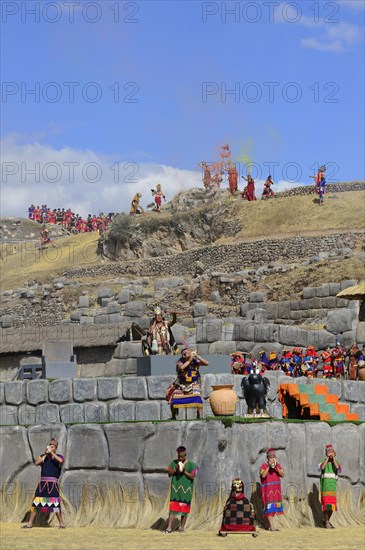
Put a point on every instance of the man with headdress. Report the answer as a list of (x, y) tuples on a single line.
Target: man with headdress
[(160, 339), (326, 356), (310, 362), (158, 196), (297, 361), (207, 176), (47, 495), (338, 360), (238, 513), (237, 362), (263, 361), (182, 472), (186, 390), (135, 206), (270, 477), (285, 362), (330, 469)]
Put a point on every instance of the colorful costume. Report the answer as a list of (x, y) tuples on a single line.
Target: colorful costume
[(47, 495), (338, 361), (271, 491), (328, 486), (181, 491), (158, 196), (249, 191), (285, 362), (327, 363), (237, 363), (238, 513), (135, 208), (207, 176), (273, 361), (187, 390), (268, 192), (232, 178), (318, 177), (160, 338)]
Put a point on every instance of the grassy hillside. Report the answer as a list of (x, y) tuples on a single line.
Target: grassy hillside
[(284, 217)]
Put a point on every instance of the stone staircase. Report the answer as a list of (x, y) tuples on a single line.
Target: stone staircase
[(312, 402)]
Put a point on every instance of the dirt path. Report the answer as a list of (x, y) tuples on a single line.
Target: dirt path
[(95, 538)]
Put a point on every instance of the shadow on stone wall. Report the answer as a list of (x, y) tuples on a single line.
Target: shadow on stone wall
[(124, 507)]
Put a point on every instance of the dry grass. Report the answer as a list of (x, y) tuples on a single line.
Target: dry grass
[(301, 215), (287, 216), (113, 519), (117, 507), (31, 263), (291, 283), (96, 538)]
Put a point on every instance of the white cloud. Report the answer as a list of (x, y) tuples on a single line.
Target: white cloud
[(314, 44), (334, 37), (30, 171), (23, 187)]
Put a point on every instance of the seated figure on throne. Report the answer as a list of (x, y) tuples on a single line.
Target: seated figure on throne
[(160, 340)]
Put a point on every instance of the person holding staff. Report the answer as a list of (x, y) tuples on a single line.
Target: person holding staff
[(186, 390)]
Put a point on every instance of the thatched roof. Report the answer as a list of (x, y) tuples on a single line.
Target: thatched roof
[(356, 292)]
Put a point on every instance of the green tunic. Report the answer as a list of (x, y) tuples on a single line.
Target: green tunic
[(181, 491)]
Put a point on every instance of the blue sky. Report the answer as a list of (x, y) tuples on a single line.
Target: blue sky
[(171, 62)]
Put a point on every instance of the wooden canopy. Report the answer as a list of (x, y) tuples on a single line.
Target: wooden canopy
[(356, 292)]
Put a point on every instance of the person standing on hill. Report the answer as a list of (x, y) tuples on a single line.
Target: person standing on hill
[(232, 177), (249, 191)]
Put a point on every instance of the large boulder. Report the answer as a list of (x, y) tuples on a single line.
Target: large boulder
[(339, 321), (37, 391), (14, 451), (126, 445), (14, 392), (135, 309), (86, 448)]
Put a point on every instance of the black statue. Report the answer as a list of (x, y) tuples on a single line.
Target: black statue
[(255, 388)]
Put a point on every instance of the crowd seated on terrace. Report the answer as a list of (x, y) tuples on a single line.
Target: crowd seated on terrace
[(335, 363), (68, 220)]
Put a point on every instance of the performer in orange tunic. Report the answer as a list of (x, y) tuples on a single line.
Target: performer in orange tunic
[(232, 177), (318, 177)]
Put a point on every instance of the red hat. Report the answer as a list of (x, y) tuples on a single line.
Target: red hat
[(329, 446)]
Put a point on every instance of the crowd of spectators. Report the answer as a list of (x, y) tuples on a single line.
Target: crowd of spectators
[(68, 220), (335, 363)]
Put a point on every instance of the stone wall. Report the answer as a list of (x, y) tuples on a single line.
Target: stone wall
[(330, 188), (226, 257), (134, 457), (116, 399)]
